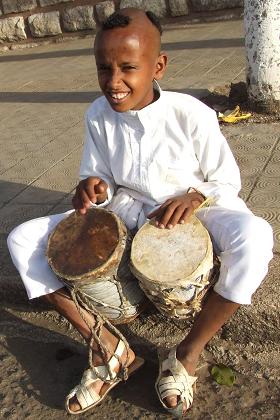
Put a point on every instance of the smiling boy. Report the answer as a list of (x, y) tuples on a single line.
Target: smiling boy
[(150, 153), (127, 63)]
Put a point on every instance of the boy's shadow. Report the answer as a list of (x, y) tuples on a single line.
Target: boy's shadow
[(139, 390), (51, 362), (52, 365)]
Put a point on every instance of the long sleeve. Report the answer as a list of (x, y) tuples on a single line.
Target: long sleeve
[(95, 157), (221, 173)]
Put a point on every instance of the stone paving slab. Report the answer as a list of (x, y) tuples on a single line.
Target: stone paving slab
[(256, 149)]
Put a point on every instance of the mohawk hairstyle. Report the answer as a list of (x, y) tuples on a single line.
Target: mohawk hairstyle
[(118, 20)]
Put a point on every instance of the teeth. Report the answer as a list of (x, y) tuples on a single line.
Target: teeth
[(119, 95)]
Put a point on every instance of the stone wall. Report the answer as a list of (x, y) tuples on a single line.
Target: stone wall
[(25, 21)]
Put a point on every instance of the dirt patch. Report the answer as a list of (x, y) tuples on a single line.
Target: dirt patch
[(40, 364), (227, 97)]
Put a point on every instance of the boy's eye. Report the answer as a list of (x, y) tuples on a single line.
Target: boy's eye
[(102, 67), (128, 67)]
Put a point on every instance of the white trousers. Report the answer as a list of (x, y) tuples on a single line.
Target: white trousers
[(243, 242)]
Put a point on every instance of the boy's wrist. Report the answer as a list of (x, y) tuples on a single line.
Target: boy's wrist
[(197, 194)]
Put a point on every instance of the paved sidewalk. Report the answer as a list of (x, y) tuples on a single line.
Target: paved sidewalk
[(44, 94)]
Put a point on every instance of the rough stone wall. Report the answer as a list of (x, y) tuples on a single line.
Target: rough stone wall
[(25, 21)]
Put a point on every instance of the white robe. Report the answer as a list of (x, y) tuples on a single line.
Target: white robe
[(146, 157)]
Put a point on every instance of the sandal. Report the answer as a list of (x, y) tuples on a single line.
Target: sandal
[(179, 383), (86, 396)]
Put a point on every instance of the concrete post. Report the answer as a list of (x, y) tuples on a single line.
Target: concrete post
[(262, 41)]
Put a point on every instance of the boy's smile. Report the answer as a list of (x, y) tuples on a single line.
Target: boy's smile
[(128, 60)]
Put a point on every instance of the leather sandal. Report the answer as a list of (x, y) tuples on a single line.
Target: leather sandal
[(86, 396), (179, 383)]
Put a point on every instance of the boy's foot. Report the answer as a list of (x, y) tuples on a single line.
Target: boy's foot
[(98, 384), (190, 366), (188, 363)]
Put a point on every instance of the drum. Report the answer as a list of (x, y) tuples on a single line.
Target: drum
[(174, 267), (90, 253)]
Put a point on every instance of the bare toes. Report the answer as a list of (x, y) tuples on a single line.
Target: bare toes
[(171, 401), (74, 405)]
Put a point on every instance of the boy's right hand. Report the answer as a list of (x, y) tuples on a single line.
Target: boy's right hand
[(91, 190)]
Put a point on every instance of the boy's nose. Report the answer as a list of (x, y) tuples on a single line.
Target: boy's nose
[(115, 79)]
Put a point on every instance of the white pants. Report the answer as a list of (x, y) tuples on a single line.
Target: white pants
[(243, 241)]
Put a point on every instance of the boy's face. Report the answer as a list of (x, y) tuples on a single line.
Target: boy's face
[(127, 63)]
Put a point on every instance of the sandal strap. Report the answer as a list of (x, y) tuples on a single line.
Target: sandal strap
[(84, 393), (115, 359), (170, 386), (179, 383), (86, 396), (103, 372)]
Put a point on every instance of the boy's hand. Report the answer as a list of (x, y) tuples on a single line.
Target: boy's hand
[(89, 190), (176, 210)]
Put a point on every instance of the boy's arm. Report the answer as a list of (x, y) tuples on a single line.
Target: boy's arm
[(97, 183), (95, 158), (221, 173)]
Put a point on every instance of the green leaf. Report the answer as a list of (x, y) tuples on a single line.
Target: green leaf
[(223, 375)]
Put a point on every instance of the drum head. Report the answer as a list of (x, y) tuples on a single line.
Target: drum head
[(82, 243), (171, 256)]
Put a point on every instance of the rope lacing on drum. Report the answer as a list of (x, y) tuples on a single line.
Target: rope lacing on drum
[(122, 308), (96, 331)]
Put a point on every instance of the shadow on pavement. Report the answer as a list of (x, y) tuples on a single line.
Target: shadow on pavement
[(49, 364), (44, 373), (207, 43), (204, 44), (48, 97), (73, 97), (140, 390), (19, 203)]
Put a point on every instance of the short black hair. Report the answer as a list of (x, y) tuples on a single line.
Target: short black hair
[(118, 20)]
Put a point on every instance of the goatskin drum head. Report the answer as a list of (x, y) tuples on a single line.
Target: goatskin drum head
[(171, 256), (82, 243)]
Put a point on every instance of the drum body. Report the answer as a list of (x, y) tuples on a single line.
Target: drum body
[(174, 267), (90, 253)]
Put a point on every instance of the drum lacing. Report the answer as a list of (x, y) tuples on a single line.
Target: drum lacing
[(122, 308), (96, 331)]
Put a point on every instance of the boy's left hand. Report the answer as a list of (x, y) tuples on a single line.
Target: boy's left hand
[(176, 210)]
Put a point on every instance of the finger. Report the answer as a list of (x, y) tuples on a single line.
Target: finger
[(88, 187), (159, 210), (157, 215), (86, 200), (186, 215), (176, 216), (78, 205), (167, 214), (76, 200), (154, 213), (101, 187)]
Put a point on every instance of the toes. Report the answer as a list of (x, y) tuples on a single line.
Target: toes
[(74, 405), (171, 401)]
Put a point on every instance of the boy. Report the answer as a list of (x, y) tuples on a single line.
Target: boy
[(147, 154)]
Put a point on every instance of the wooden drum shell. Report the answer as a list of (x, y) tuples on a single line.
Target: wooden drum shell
[(168, 274), (110, 286)]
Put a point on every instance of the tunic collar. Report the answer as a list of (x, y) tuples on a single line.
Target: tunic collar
[(145, 115)]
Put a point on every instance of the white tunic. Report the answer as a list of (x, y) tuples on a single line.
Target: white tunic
[(159, 152), (146, 157)]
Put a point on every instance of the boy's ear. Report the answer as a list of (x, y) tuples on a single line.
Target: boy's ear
[(160, 66)]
